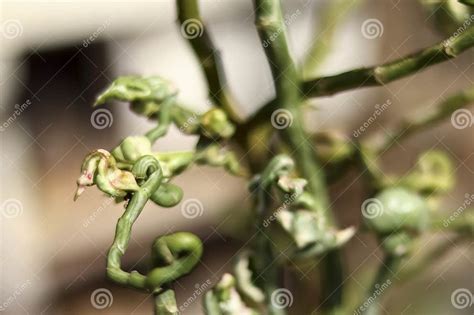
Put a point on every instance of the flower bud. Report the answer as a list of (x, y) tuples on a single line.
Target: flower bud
[(216, 124), (397, 209), (132, 148)]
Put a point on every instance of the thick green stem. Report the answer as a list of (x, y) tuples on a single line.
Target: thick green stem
[(269, 21), (193, 28)]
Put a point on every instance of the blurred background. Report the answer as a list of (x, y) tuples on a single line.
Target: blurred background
[(56, 56)]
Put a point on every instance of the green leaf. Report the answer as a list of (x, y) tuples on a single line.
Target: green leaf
[(145, 92)]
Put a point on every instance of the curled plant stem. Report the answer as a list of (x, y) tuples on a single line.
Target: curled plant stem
[(208, 55)]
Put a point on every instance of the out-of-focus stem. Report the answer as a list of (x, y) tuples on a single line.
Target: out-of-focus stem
[(208, 55)]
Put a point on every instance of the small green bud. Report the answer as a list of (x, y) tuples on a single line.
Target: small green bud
[(132, 148), (138, 89), (396, 209), (216, 124), (433, 174)]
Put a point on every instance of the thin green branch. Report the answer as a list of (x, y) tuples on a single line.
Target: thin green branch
[(335, 12), (374, 76), (193, 28), (426, 119), (269, 21), (386, 73)]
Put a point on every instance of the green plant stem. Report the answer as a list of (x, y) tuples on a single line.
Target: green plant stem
[(165, 303), (209, 57), (379, 286), (386, 73), (335, 12), (426, 119), (269, 21), (123, 233), (374, 76)]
